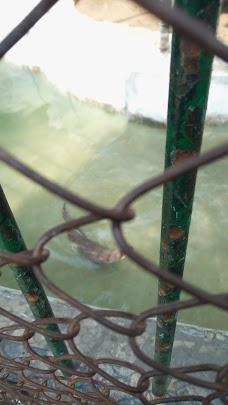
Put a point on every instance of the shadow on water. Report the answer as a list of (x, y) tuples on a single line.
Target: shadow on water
[(102, 156)]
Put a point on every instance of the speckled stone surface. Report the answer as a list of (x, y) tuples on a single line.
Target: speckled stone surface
[(193, 345)]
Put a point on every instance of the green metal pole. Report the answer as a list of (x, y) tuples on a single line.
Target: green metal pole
[(12, 241), (188, 94)]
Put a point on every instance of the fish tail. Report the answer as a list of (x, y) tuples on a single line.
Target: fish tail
[(66, 215), (67, 218)]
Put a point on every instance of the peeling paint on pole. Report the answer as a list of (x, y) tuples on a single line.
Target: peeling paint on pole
[(12, 241), (188, 94)]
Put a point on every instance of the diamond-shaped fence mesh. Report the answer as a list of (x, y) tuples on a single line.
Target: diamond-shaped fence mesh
[(37, 376)]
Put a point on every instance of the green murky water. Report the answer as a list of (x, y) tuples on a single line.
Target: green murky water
[(101, 156)]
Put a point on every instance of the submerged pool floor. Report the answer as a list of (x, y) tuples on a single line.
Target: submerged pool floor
[(102, 156)]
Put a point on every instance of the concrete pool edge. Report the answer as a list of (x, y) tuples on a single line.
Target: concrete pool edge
[(90, 73), (13, 295)]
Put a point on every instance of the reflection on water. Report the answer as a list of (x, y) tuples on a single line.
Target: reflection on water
[(101, 156)]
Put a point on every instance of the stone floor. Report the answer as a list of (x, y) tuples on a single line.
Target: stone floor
[(193, 345)]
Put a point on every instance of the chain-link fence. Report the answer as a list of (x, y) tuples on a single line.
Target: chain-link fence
[(73, 377)]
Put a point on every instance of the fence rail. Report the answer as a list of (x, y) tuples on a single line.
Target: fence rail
[(40, 378)]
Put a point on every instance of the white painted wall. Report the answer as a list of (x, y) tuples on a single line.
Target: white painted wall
[(106, 62)]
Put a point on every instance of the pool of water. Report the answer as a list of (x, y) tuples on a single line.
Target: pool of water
[(102, 156)]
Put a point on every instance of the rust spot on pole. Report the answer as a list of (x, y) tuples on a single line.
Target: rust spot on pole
[(165, 246), (190, 48), (181, 155), (169, 318), (176, 233), (32, 298), (170, 285), (162, 292), (168, 346)]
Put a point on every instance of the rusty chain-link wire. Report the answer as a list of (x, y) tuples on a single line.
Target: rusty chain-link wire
[(54, 384)]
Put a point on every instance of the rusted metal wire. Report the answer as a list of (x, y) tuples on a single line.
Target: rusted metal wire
[(39, 378), (25, 25)]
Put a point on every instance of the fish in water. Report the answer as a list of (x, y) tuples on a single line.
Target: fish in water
[(95, 252)]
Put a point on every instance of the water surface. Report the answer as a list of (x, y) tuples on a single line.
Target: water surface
[(102, 156)]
